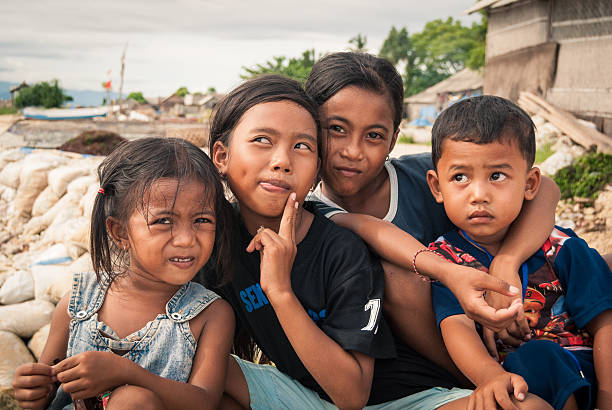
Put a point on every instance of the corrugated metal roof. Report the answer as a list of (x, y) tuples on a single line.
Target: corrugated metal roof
[(483, 4), (464, 80)]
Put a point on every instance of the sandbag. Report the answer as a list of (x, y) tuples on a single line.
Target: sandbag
[(17, 288), (44, 201), (64, 226), (9, 175), (46, 275), (24, 319), (31, 185), (13, 353), (38, 341), (70, 200), (60, 177), (81, 184), (63, 283), (11, 155), (87, 201)]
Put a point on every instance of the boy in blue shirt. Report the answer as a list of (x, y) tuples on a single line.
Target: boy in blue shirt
[(483, 149)]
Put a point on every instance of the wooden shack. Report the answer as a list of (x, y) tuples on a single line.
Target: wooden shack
[(560, 49)]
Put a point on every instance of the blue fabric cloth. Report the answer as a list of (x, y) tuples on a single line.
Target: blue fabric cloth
[(165, 346), (578, 289), (552, 374)]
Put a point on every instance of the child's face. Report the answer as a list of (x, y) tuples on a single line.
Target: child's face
[(174, 237), (483, 186), (358, 136), (272, 152)]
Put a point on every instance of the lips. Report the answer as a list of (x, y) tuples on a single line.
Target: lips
[(275, 186), (480, 217), (182, 261), (348, 171)]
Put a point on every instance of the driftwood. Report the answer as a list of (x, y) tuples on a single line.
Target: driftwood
[(566, 122)]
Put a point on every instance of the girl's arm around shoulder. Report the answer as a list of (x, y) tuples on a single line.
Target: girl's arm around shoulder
[(34, 382), (601, 329)]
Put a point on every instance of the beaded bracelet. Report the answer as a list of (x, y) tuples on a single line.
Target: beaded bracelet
[(414, 267)]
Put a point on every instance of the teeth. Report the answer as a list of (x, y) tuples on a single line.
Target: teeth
[(180, 259)]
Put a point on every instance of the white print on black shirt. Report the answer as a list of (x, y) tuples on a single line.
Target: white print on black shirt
[(374, 306)]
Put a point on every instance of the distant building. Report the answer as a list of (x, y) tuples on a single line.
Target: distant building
[(561, 49), (422, 108)]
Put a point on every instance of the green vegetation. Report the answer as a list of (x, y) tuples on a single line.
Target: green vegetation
[(359, 43), (586, 177), (543, 152), (405, 139), (297, 68), (42, 94), (138, 97), (441, 49), (182, 91), (7, 110)]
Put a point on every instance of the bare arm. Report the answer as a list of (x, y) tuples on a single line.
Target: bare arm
[(345, 376), (90, 373), (601, 329), (34, 382), (494, 384)]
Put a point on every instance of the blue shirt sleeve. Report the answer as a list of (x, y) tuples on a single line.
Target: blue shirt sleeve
[(586, 278), (444, 302)]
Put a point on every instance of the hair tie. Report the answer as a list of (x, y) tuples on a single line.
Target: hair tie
[(101, 191)]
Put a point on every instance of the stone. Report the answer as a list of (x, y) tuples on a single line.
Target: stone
[(24, 319), (555, 162), (38, 341), (13, 353)]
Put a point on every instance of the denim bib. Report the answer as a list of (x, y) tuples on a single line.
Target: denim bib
[(165, 346)]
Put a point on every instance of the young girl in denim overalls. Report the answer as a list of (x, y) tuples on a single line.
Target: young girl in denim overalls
[(138, 332)]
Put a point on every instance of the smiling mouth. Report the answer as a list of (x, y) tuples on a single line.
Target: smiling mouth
[(182, 261), (275, 186)]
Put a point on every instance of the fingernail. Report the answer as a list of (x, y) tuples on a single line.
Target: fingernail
[(293, 196), (528, 337), (520, 396), (513, 289)]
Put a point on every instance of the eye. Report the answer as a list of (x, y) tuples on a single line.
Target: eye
[(375, 135), (498, 176), (302, 146), (162, 221), (337, 129), (263, 140), (204, 220), (460, 178)]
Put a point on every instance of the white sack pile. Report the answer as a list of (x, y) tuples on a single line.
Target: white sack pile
[(46, 197)]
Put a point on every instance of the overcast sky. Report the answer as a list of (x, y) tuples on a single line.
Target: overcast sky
[(195, 43)]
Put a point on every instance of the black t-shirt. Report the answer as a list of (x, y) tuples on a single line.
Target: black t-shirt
[(339, 284)]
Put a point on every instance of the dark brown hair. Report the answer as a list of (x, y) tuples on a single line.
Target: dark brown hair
[(263, 89), (338, 70), (126, 176), (482, 120)]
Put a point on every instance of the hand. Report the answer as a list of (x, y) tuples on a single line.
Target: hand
[(33, 385), (469, 291), (88, 374), (496, 391), (517, 331), (277, 251)]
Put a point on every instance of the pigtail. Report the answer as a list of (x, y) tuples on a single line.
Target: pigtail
[(99, 238)]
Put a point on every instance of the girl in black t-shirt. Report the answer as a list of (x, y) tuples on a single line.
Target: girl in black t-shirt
[(304, 288)]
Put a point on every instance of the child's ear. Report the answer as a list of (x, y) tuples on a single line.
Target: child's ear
[(532, 185), (117, 232), (220, 157), (434, 185)]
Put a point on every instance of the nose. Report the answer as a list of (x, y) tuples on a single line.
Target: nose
[(351, 149), (479, 192), (281, 160), (183, 235)]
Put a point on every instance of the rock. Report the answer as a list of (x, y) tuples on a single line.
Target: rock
[(555, 162), (13, 354), (17, 288), (38, 341), (24, 319), (7, 401), (546, 133)]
